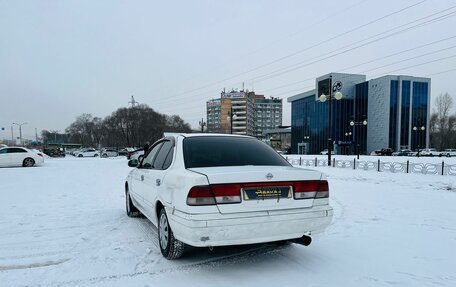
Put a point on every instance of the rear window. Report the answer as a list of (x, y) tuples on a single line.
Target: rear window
[(229, 151)]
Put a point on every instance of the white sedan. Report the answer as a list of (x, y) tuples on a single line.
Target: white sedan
[(209, 190), (107, 152), (88, 152), (19, 156)]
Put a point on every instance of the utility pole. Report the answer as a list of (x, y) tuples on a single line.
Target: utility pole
[(12, 136), (202, 124), (20, 130), (36, 135)]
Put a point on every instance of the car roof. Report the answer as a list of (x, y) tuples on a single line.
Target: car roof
[(188, 135), (195, 135)]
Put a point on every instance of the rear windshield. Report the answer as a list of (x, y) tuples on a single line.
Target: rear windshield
[(229, 151)]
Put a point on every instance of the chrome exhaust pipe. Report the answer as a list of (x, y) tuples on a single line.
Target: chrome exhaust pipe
[(304, 240)]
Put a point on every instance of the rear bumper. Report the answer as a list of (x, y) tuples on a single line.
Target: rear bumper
[(202, 230)]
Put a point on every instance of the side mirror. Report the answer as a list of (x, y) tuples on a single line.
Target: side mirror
[(133, 163)]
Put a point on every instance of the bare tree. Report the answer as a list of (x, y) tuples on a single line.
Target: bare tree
[(125, 127), (440, 121)]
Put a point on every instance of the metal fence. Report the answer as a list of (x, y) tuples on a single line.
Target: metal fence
[(379, 166)]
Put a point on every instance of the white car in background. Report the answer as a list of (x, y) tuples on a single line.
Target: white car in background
[(87, 152), (209, 190), (136, 154), (448, 152), (429, 152), (107, 152), (19, 156)]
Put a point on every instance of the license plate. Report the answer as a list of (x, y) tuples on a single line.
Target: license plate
[(266, 192)]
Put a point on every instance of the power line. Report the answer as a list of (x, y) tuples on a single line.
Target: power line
[(305, 49), (338, 51), (401, 31), (412, 58), (442, 72), (198, 105), (331, 53), (417, 65), (368, 62), (279, 40)]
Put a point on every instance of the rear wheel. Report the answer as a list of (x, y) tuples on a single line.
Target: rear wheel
[(80, 155), (170, 247), (105, 155), (28, 162)]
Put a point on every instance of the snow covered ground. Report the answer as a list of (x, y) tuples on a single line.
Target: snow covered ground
[(63, 224)]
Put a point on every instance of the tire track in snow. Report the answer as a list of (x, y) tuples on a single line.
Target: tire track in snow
[(218, 260)]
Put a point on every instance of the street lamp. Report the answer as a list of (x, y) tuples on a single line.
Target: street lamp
[(202, 124), (307, 144), (20, 130), (334, 92), (418, 129), (348, 134), (230, 118), (354, 123)]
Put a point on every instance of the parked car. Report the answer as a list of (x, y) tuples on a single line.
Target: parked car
[(448, 152), (125, 151), (325, 151), (87, 152), (109, 152), (429, 152), (135, 154), (19, 156), (54, 152), (209, 190), (402, 152), (383, 152)]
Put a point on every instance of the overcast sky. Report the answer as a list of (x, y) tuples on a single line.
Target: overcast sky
[(59, 59)]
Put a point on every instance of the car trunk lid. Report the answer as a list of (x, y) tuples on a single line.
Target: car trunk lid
[(261, 188)]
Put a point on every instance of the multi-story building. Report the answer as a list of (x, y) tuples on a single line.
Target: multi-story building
[(213, 110), (268, 115), (243, 113), (387, 112)]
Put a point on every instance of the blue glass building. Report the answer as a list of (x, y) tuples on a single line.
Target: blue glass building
[(391, 105)]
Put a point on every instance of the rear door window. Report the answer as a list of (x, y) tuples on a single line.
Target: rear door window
[(149, 159), (162, 154)]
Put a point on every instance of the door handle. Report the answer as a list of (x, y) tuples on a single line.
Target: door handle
[(158, 182), (142, 177)]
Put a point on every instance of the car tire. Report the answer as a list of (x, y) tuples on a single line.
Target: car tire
[(28, 162), (170, 247), (105, 155), (95, 155), (131, 209), (80, 155)]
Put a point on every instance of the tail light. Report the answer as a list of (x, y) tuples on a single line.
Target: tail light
[(214, 194), (231, 193), (200, 195), (311, 189)]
